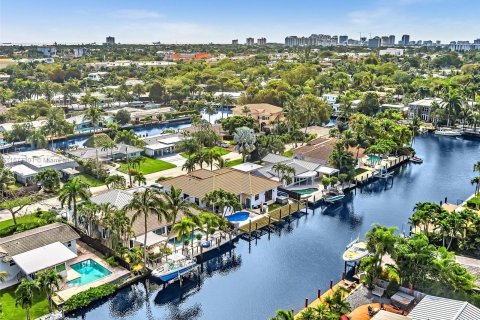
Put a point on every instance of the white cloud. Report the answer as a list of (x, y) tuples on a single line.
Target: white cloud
[(136, 14)]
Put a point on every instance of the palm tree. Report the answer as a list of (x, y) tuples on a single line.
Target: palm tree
[(71, 193), (209, 222), (453, 103), (283, 315), (189, 164), (115, 181), (146, 203), (210, 110), (313, 109), (24, 295), (108, 145), (139, 178), (189, 146), (183, 229), (88, 215), (49, 281), (37, 138), (245, 110), (174, 204)]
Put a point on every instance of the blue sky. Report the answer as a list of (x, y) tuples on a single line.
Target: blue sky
[(204, 21)]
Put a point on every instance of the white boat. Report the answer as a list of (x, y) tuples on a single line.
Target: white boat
[(356, 250), (176, 266), (447, 132)]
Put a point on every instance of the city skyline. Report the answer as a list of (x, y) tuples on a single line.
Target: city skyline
[(220, 22)]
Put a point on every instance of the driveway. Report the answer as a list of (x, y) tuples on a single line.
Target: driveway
[(175, 159)]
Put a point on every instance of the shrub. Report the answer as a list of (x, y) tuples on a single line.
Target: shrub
[(112, 262), (392, 288), (84, 298)]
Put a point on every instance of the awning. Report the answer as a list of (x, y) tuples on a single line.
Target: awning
[(327, 170), (152, 239), (70, 171), (307, 174), (43, 257)]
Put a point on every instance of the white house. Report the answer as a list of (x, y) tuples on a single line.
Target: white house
[(120, 151), (422, 108), (96, 76), (26, 253), (331, 99), (161, 144), (25, 165)]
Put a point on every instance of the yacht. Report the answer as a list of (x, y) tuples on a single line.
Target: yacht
[(355, 251), (447, 132), (176, 266)]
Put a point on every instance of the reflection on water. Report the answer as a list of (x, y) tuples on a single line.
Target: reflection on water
[(280, 268)]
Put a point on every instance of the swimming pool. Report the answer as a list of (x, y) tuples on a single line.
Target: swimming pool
[(374, 159), (239, 216), (306, 191), (89, 271)]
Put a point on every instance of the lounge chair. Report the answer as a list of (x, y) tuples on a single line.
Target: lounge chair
[(378, 291)]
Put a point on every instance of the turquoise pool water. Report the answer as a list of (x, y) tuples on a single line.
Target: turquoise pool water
[(374, 159), (306, 191), (89, 271), (239, 216), (179, 242)]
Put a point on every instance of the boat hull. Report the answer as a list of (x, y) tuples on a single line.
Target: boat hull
[(172, 274), (334, 198)]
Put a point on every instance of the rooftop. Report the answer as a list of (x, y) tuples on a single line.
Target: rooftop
[(259, 108), (198, 183), (91, 153), (35, 238), (117, 198), (427, 102), (40, 158), (431, 307)]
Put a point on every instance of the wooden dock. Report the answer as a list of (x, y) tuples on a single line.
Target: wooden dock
[(275, 216)]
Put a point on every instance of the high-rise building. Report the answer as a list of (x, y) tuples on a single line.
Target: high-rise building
[(363, 39), (374, 42), (235, 41), (250, 41), (261, 41), (385, 40), (476, 41), (110, 41), (405, 40), (334, 40), (391, 39), (343, 39)]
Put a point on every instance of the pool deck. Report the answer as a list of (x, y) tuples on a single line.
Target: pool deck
[(67, 292)]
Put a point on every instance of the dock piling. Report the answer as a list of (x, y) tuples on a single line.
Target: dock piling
[(319, 293), (331, 284), (306, 302)]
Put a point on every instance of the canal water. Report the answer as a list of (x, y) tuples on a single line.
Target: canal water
[(282, 268), (146, 130)]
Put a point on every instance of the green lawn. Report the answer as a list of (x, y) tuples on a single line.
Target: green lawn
[(234, 162), (90, 180), (150, 165), (288, 153), (29, 218), (360, 171), (12, 312), (221, 151)]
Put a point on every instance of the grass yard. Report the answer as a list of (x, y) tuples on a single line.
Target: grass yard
[(360, 171), (12, 312), (148, 166), (234, 162), (288, 153), (90, 180), (29, 218), (221, 151)]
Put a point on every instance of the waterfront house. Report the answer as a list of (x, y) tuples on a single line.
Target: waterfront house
[(119, 199), (137, 114), (252, 190), (317, 150), (423, 108), (119, 152), (331, 99), (263, 113), (80, 123), (26, 253), (403, 109), (305, 172), (162, 144), (25, 165)]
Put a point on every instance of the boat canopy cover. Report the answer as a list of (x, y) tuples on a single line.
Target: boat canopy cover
[(176, 257)]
